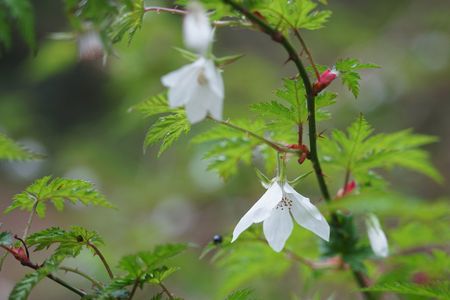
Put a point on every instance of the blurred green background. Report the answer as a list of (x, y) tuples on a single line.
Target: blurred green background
[(77, 114)]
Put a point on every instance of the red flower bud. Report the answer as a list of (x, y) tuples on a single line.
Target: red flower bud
[(20, 254), (324, 80), (349, 187), (420, 278)]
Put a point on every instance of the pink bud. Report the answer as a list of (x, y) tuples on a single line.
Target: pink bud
[(349, 187), (324, 80)]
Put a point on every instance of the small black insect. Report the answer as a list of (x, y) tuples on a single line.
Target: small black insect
[(217, 239)]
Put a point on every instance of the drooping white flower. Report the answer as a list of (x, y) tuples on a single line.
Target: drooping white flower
[(197, 30), (276, 208), (90, 45), (377, 238), (197, 86)]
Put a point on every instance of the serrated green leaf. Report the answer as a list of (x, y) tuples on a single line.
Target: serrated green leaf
[(57, 190), (438, 290), (349, 76), (158, 275), (6, 238), (168, 127), (11, 151), (69, 242), (23, 288), (129, 21), (360, 152)]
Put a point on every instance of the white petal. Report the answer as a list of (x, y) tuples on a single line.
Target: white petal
[(278, 227), (215, 82), (182, 83), (260, 211), (377, 238), (197, 30), (307, 215), (198, 106)]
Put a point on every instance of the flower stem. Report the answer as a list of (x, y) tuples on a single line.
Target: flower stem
[(182, 12), (134, 288), (275, 146), (278, 37), (102, 258), (82, 274)]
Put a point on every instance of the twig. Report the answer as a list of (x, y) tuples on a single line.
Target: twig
[(102, 258), (275, 146), (82, 274), (182, 12), (135, 286), (168, 293)]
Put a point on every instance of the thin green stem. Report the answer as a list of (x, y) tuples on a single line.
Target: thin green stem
[(102, 258), (275, 146), (82, 274)]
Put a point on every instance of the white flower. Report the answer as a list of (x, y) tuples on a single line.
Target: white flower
[(275, 209), (197, 86), (90, 45), (377, 238), (197, 31)]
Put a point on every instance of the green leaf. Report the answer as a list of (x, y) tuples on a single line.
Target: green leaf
[(69, 242), (359, 151), (158, 275), (129, 21), (240, 295), (438, 290), (6, 238), (349, 76), (23, 288), (56, 190), (167, 128), (229, 146), (11, 151), (297, 14), (21, 11)]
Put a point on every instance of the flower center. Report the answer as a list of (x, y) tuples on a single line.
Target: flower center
[(201, 79), (284, 203)]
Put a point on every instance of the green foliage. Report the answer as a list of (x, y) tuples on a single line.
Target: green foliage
[(69, 242), (229, 146), (168, 127), (23, 288), (359, 151), (129, 20), (344, 241), (143, 267), (21, 13), (297, 14), (240, 295), (57, 191), (438, 290), (11, 151), (5, 238), (348, 72), (217, 7)]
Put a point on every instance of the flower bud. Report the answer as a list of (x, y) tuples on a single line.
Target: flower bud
[(90, 45), (324, 80), (197, 30), (20, 254), (347, 189)]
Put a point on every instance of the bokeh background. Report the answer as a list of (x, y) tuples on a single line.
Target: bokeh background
[(76, 112)]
